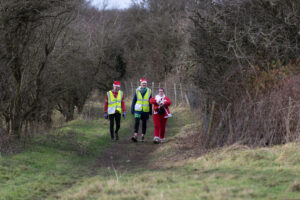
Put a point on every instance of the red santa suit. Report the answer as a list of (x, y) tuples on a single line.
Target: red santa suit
[(160, 120)]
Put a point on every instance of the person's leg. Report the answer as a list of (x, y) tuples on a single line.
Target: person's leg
[(163, 123), (156, 125), (111, 125), (118, 121), (136, 129), (144, 124), (156, 121), (136, 125), (144, 119)]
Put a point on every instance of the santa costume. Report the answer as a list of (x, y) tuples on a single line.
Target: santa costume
[(161, 113)]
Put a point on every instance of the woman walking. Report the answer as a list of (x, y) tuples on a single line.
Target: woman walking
[(161, 113), (114, 106)]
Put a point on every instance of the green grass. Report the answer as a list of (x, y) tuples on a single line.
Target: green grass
[(61, 165), (85, 137), (235, 172), (228, 174), (56, 160)]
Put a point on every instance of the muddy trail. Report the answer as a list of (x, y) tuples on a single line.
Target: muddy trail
[(127, 155)]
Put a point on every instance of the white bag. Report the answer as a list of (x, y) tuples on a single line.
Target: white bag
[(138, 107), (111, 110)]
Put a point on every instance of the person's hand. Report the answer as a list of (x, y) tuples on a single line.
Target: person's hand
[(105, 115), (124, 115)]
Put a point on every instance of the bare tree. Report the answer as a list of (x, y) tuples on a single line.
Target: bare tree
[(29, 30)]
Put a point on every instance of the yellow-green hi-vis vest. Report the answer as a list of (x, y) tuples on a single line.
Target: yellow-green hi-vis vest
[(142, 104), (114, 103)]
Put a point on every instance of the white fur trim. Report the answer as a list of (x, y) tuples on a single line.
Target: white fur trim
[(159, 99), (169, 115)]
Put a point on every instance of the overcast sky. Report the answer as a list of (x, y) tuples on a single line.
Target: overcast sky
[(118, 4)]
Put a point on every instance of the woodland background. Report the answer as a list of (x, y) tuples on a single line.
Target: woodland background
[(237, 62)]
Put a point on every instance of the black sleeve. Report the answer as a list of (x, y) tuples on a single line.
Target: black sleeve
[(150, 105), (133, 103)]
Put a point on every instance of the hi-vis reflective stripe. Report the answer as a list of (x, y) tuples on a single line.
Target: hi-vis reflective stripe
[(143, 99)]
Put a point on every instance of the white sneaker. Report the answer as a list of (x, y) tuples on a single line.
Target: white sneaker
[(162, 140), (156, 140)]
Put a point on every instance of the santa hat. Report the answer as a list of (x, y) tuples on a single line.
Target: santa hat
[(143, 80), (117, 84)]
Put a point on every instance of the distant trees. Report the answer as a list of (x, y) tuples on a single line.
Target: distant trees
[(54, 53), (153, 37), (243, 51), (29, 32), (234, 40)]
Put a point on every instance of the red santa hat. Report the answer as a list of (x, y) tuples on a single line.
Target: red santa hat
[(143, 80), (117, 84)]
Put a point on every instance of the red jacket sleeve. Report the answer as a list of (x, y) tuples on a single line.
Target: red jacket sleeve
[(153, 101), (167, 102), (106, 104), (123, 104)]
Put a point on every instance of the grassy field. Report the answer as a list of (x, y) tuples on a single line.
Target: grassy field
[(235, 172), (56, 160), (64, 164)]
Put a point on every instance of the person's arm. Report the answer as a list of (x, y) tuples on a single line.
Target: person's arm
[(153, 101), (106, 104), (167, 102), (133, 103), (123, 104), (150, 105)]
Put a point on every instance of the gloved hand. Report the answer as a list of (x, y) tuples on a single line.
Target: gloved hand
[(106, 115), (124, 115)]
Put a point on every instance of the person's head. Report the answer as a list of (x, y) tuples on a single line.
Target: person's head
[(116, 86), (161, 92), (143, 82)]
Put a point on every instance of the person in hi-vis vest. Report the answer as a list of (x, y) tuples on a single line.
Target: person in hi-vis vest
[(141, 108), (113, 108)]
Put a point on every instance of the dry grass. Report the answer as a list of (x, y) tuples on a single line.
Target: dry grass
[(266, 120)]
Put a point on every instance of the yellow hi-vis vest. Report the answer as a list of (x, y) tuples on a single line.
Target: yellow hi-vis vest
[(114, 103), (142, 104)]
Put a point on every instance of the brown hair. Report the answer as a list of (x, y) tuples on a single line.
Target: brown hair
[(161, 89)]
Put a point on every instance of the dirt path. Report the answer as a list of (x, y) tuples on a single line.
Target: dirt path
[(125, 155)]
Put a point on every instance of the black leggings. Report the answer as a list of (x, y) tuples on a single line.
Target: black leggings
[(144, 119), (112, 118)]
